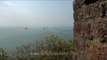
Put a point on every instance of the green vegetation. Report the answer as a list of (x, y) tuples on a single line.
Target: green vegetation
[(52, 47), (2, 54)]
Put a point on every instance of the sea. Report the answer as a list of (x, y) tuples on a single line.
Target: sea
[(13, 37)]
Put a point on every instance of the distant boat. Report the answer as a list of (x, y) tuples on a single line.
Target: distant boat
[(45, 28), (26, 28)]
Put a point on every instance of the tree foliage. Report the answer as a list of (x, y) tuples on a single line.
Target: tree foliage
[(3, 55), (52, 47)]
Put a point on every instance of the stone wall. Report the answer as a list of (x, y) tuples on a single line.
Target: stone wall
[(90, 30)]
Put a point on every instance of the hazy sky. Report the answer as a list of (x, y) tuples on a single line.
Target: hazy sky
[(36, 13)]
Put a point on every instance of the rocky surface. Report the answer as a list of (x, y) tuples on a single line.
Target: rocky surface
[(90, 30)]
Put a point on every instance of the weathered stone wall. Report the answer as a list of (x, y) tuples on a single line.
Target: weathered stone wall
[(90, 30)]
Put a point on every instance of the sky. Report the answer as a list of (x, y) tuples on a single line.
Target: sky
[(36, 13)]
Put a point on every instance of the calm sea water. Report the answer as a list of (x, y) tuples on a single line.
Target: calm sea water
[(12, 37)]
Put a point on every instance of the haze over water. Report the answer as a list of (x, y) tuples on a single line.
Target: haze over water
[(12, 37)]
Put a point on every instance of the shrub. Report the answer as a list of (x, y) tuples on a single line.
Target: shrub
[(3, 55), (52, 47)]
